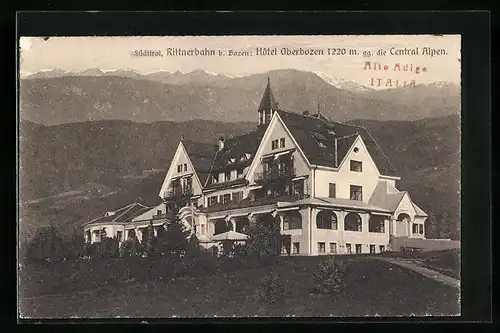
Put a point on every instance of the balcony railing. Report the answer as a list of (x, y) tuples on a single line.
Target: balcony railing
[(178, 192), (275, 174), (247, 202)]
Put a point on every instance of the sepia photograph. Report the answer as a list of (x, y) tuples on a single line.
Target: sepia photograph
[(239, 176)]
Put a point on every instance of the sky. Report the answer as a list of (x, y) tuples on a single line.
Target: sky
[(109, 53)]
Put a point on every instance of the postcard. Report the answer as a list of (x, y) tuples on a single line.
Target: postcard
[(239, 176)]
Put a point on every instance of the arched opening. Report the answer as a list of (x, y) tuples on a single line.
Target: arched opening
[(376, 224), (352, 222), (188, 223), (402, 223), (292, 220), (221, 226), (326, 219), (242, 224)]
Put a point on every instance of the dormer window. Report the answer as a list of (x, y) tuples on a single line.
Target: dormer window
[(321, 144), (332, 132), (232, 160), (215, 178), (247, 155), (239, 173)]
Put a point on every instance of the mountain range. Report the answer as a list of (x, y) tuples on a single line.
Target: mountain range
[(57, 97)]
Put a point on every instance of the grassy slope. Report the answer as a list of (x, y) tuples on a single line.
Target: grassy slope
[(446, 262), (374, 288)]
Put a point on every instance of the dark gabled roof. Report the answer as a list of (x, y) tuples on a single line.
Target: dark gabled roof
[(236, 148), (121, 215), (384, 198), (268, 101), (316, 136), (201, 156)]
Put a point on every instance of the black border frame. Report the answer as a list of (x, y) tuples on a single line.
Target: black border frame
[(474, 26)]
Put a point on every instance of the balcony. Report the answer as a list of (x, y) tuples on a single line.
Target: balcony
[(179, 192), (247, 202), (275, 174)]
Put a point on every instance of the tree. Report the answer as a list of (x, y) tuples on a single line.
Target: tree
[(194, 246), (265, 237), (174, 239), (47, 245), (431, 228), (151, 240), (75, 246)]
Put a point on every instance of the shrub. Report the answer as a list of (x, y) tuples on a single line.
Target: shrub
[(47, 245), (329, 276), (270, 289), (131, 248)]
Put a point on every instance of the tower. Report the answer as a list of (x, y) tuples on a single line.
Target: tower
[(267, 105)]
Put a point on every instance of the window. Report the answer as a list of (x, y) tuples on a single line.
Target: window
[(348, 248), (372, 248), (321, 247), (212, 201), (415, 228), (381, 248), (239, 173), (331, 190), (298, 187), (185, 167), (119, 235), (358, 248), (296, 248), (356, 193), (292, 220), (356, 149), (286, 222), (226, 198), (158, 212), (421, 229), (179, 168), (333, 247), (352, 222), (356, 166), (274, 144), (202, 229), (326, 219), (227, 176), (376, 224), (237, 196), (282, 143)]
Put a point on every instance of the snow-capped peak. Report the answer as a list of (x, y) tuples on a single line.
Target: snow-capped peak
[(341, 83)]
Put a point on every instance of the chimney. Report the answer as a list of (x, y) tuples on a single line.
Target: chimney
[(221, 143)]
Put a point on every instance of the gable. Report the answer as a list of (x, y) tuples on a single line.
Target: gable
[(336, 140), (359, 153), (405, 206), (277, 130), (148, 215), (181, 159)]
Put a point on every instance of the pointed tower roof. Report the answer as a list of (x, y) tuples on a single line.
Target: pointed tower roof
[(268, 102)]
